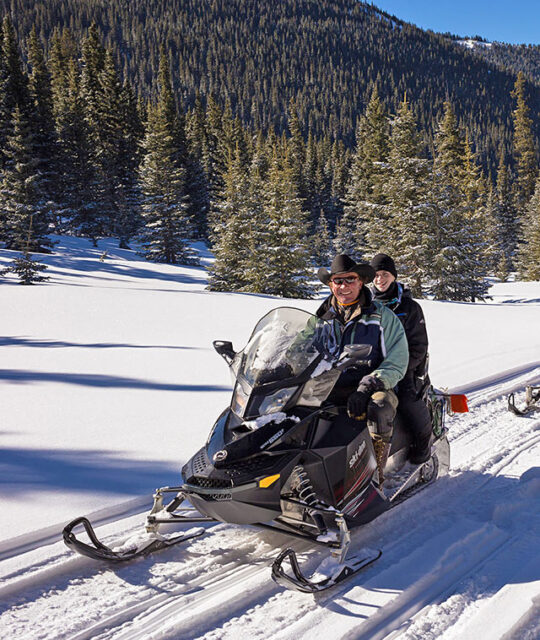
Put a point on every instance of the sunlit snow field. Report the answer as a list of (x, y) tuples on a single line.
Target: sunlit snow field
[(109, 380)]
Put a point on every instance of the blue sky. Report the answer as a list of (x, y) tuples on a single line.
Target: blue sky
[(514, 21)]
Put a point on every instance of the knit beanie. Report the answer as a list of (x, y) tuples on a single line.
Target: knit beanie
[(382, 262)]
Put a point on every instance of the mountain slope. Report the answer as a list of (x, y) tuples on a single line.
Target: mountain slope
[(326, 54)]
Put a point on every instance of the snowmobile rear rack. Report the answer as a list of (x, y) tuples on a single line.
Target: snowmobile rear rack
[(532, 396)]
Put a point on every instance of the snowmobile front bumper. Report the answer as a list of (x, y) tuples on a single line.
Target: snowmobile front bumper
[(246, 504)]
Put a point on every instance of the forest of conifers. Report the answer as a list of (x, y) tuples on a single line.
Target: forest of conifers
[(284, 131)]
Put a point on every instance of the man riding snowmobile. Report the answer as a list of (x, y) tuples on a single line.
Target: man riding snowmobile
[(358, 319), (283, 455)]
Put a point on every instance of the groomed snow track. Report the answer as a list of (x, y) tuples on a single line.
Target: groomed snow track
[(459, 561)]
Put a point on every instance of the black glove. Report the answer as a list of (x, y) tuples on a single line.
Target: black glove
[(357, 404), (358, 401)]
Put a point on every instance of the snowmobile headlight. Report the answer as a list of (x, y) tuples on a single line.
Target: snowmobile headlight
[(240, 400), (276, 401)]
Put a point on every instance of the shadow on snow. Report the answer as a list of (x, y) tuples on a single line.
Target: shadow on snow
[(11, 341), (98, 380), (30, 470)]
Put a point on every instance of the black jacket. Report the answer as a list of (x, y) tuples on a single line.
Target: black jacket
[(400, 301)]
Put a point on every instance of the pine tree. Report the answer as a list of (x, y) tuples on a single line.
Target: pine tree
[(297, 149), (496, 257), (28, 269), (117, 136), (43, 129), (454, 270), (233, 244), (407, 207), (340, 174), (199, 186), (163, 180), (21, 198), (368, 173), (80, 208), (129, 220), (505, 213), (283, 261), (477, 222), (321, 246), (524, 150), (529, 250), (98, 213), (13, 85)]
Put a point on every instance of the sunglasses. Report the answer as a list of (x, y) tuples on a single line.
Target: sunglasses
[(348, 280)]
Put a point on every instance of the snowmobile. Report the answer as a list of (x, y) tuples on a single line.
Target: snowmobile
[(532, 397), (284, 456)]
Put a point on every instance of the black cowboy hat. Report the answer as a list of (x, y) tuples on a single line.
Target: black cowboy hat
[(344, 264)]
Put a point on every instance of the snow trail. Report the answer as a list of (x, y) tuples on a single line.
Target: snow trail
[(219, 587)]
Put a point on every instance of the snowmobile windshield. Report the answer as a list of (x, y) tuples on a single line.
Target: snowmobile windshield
[(283, 344)]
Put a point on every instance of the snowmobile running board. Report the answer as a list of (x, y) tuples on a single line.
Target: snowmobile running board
[(100, 551), (338, 571), (532, 396)]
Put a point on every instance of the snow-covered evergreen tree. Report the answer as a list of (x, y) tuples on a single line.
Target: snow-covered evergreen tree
[(283, 261), (524, 147), (233, 231), (496, 255), (407, 209), (28, 269), (21, 200), (163, 180), (455, 269), (322, 250), (505, 212), (529, 250), (363, 212), (43, 125)]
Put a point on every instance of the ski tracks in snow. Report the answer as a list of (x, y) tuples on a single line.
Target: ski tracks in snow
[(457, 557)]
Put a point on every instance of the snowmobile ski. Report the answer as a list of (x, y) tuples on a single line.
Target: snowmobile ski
[(99, 551), (329, 573), (532, 396)]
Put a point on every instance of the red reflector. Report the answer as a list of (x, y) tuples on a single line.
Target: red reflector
[(458, 403)]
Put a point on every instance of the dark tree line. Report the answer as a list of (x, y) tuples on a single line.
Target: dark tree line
[(82, 153), (326, 55)]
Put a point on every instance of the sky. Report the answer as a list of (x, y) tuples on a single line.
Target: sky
[(512, 21)]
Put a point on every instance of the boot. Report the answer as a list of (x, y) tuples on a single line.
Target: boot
[(382, 449)]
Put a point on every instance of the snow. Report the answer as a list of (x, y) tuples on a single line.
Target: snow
[(109, 382), (471, 44), (278, 417)]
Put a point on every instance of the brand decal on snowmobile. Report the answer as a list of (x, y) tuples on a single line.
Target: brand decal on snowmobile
[(356, 455), (273, 438), (220, 496), (219, 456)]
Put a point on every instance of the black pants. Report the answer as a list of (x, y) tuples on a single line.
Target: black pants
[(414, 411)]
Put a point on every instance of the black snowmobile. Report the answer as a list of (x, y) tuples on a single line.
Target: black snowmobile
[(284, 457)]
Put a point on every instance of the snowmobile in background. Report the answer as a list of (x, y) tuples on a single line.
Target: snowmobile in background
[(532, 397), (282, 457)]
